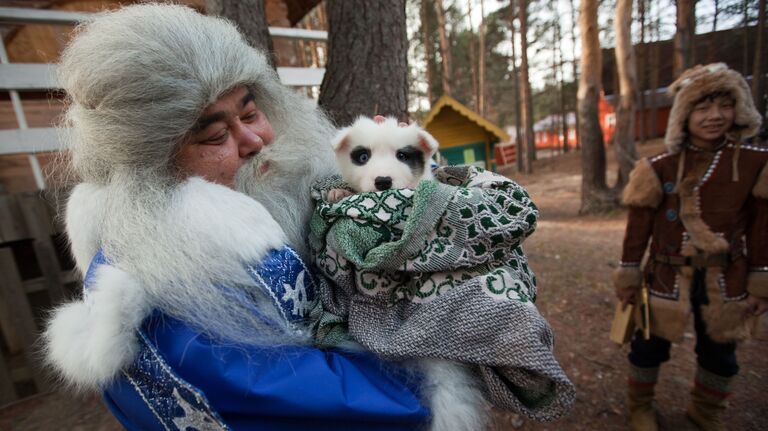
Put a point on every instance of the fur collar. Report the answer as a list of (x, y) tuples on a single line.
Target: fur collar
[(88, 341)]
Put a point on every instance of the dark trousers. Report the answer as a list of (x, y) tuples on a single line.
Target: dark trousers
[(717, 358)]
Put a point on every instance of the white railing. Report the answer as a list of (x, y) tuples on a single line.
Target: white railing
[(42, 77)]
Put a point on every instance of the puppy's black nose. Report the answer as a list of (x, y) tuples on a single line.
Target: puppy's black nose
[(383, 183)]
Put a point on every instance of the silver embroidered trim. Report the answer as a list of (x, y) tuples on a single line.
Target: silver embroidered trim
[(710, 169), (139, 391), (705, 178), (199, 397), (754, 148), (659, 157)]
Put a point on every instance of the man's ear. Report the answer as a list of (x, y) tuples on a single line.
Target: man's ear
[(341, 140), (427, 143)]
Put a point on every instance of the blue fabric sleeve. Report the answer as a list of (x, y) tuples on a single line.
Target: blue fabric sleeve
[(289, 387), (129, 409), (285, 388)]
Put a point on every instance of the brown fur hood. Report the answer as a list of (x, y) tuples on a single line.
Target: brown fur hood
[(696, 83)]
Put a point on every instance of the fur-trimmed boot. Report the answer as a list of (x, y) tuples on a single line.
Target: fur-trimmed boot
[(642, 415), (708, 400)]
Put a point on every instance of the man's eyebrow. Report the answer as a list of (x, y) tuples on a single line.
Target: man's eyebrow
[(249, 97), (206, 121)]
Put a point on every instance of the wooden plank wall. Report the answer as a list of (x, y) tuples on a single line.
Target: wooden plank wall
[(33, 277), (40, 110)]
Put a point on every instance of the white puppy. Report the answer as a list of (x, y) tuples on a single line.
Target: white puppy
[(381, 154)]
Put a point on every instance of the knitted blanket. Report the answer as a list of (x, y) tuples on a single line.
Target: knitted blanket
[(438, 272)]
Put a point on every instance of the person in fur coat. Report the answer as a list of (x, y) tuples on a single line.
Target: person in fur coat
[(189, 225), (703, 204)]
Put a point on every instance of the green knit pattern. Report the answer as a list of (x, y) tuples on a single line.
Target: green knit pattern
[(439, 272), (405, 242)]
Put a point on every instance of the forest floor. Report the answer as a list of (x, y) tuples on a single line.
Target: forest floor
[(573, 257)]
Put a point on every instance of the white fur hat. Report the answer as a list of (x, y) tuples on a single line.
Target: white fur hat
[(700, 81)]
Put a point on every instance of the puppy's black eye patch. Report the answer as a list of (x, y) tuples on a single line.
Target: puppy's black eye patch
[(411, 156), (360, 155)]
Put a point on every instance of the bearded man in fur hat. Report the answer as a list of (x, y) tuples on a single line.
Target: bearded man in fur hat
[(195, 293), (704, 206)]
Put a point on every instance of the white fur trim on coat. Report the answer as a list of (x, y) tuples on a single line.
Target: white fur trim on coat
[(84, 209), (204, 220), (221, 223), (210, 231), (88, 341)]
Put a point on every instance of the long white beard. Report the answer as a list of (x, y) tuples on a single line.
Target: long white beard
[(284, 189), (188, 245)]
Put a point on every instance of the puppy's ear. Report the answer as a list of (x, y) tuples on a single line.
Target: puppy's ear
[(427, 143), (341, 140)]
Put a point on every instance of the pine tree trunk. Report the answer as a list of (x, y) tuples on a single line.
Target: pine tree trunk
[(481, 68), (427, 48), (575, 70), (653, 109), (653, 65), (516, 73), (367, 70), (624, 141), (322, 23), (526, 99), (250, 17), (686, 29), (642, 68), (472, 59), (758, 72), (745, 39), (561, 84), (595, 195), (445, 49)]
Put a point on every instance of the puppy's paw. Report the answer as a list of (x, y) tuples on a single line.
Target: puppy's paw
[(335, 195)]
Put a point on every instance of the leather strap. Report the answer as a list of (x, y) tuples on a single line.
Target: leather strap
[(698, 261)]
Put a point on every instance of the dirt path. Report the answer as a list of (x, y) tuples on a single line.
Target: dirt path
[(573, 257)]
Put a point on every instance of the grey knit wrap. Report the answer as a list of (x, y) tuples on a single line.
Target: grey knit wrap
[(438, 272)]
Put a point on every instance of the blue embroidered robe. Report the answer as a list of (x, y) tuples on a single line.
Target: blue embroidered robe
[(181, 380)]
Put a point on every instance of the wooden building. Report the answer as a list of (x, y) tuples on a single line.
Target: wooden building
[(464, 136), (735, 47)]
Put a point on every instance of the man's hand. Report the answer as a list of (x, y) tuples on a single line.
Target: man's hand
[(335, 195), (627, 281), (626, 296), (757, 305)]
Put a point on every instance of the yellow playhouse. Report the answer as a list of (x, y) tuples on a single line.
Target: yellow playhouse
[(464, 136)]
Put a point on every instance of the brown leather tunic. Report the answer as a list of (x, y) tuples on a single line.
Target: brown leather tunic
[(727, 208)]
